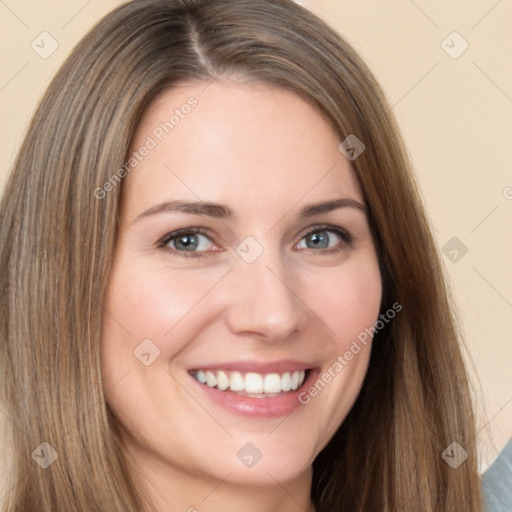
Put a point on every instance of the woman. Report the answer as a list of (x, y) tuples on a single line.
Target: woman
[(221, 288)]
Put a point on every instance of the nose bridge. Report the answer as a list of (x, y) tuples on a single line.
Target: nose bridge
[(263, 301)]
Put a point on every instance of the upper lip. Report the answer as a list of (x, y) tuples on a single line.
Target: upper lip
[(263, 367)]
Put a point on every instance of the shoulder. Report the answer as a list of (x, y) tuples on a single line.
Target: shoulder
[(497, 482)]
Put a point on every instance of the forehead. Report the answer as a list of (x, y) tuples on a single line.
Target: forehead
[(252, 146)]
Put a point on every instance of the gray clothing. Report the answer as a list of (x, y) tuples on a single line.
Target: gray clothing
[(497, 482)]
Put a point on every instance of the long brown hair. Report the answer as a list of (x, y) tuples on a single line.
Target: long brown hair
[(58, 239)]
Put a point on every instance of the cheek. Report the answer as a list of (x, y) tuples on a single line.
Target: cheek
[(349, 300), (349, 304), (154, 304)]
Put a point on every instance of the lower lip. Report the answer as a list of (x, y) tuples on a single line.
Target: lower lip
[(271, 407)]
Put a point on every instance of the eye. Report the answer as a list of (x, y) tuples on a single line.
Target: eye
[(325, 238), (187, 241), (194, 242)]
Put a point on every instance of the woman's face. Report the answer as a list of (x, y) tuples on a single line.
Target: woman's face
[(244, 271)]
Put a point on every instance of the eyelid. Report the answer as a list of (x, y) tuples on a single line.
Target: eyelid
[(325, 227), (182, 231), (342, 232)]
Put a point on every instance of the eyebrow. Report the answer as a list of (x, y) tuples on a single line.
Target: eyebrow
[(220, 211)]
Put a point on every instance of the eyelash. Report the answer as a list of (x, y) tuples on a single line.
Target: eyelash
[(345, 236)]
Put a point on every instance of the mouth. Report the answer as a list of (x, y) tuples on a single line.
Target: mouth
[(253, 389), (252, 384)]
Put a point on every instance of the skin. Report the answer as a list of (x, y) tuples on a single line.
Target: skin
[(265, 153)]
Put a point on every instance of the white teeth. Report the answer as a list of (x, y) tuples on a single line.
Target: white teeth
[(286, 382), (272, 383), (211, 380), (297, 379), (236, 381), (251, 383), (222, 381), (294, 382)]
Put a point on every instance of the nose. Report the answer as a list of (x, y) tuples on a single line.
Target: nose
[(262, 302)]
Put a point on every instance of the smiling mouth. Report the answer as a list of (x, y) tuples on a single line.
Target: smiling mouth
[(252, 384)]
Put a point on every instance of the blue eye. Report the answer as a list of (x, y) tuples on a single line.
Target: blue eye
[(324, 239), (187, 241), (193, 242)]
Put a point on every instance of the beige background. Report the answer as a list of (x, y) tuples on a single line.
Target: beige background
[(455, 113)]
